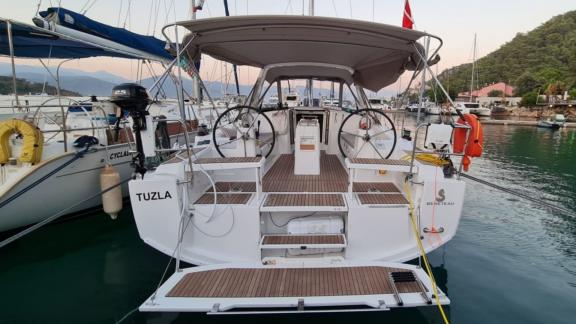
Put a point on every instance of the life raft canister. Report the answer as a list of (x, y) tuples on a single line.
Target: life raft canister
[(475, 142), (32, 144)]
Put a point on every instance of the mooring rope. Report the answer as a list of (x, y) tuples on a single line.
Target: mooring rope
[(519, 194), (423, 252)]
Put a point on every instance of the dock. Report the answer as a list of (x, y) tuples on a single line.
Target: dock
[(520, 123)]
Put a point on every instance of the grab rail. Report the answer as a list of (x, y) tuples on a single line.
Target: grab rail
[(415, 148)]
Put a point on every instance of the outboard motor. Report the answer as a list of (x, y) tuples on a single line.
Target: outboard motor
[(134, 99)]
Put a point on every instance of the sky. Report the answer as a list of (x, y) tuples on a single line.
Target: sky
[(494, 21)]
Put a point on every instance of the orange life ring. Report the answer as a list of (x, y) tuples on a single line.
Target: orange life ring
[(473, 147)]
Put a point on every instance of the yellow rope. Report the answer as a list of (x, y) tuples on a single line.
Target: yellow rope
[(423, 252), (431, 158), (428, 158)]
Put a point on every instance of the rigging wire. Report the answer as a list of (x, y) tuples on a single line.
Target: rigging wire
[(38, 8), (89, 7), (128, 18), (84, 6), (119, 14), (350, 3), (334, 6), (288, 5), (150, 18)]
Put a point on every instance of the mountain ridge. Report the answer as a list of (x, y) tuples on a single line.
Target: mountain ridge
[(27, 87), (543, 59)]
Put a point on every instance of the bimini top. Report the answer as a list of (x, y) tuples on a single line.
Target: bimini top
[(378, 54)]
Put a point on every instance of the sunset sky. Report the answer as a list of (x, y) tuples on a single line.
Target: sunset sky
[(494, 21)]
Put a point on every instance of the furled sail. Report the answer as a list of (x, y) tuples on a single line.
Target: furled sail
[(49, 39)]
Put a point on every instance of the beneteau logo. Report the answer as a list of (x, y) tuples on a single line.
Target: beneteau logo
[(155, 195), (440, 197), (440, 200)]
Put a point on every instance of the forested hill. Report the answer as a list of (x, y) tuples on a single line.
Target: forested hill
[(25, 87), (543, 59)]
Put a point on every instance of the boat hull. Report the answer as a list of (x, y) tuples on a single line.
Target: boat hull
[(69, 186), (550, 125), (230, 232)]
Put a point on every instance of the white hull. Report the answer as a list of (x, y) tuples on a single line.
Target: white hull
[(233, 233), (433, 110), (69, 186), (482, 112)]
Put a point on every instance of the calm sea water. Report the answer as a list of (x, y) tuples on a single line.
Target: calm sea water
[(511, 261)]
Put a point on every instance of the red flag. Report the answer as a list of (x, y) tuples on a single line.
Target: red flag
[(407, 20), (198, 6)]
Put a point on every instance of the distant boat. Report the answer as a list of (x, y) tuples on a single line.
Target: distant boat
[(414, 107), (555, 122), (291, 99), (464, 107), (499, 110), (433, 110), (378, 103), (478, 110)]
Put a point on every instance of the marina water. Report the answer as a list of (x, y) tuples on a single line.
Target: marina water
[(511, 261)]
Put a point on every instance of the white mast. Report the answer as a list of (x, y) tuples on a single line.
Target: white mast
[(195, 83), (309, 84), (473, 67), (423, 82)]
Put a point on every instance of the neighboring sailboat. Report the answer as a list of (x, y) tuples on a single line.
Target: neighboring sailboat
[(473, 107), (65, 144)]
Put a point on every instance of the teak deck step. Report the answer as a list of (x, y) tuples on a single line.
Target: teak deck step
[(382, 199), (379, 164), (227, 163), (234, 187), (248, 159), (304, 202), (224, 198), (374, 187), (289, 241), (290, 282)]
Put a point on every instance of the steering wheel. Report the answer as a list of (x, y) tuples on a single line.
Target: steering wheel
[(240, 124), (375, 129)]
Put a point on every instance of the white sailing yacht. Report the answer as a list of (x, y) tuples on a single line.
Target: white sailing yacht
[(303, 208), (474, 107)]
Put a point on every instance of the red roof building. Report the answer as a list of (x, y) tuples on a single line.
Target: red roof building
[(508, 90)]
